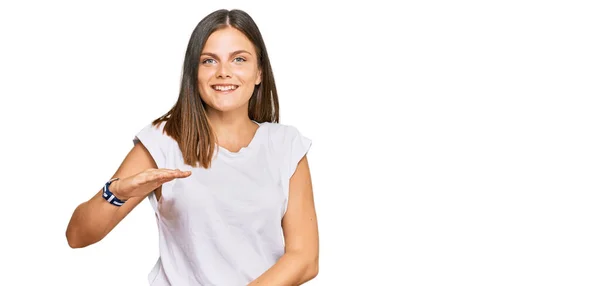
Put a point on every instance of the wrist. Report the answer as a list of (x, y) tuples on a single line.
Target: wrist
[(114, 188), (109, 196)]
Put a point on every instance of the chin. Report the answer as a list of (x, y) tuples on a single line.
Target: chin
[(227, 106), (226, 102)]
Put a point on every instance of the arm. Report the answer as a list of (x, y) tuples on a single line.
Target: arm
[(300, 262), (94, 219)]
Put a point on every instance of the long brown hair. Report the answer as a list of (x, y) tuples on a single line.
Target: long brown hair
[(187, 122)]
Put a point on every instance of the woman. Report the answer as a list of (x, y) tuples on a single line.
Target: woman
[(230, 186)]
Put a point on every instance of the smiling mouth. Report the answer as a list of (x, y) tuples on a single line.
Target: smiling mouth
[(224, 88)]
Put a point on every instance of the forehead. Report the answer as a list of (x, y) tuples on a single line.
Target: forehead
[(227, 40)]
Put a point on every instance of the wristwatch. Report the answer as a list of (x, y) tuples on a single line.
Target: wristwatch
[(109, 196)]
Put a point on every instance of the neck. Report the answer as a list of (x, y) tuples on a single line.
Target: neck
[(231, 127)]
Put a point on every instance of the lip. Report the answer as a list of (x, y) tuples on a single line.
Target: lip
[(224, 91)]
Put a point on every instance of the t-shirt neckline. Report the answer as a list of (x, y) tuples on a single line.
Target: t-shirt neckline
[(243, 150)]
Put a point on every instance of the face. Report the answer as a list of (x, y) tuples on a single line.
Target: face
[(228, 70)]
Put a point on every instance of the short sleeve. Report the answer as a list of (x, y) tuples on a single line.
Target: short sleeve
[(296, 146), (154, 140), (299, 146)]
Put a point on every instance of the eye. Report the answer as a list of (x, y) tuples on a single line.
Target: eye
[(239, 60), (208, 61)]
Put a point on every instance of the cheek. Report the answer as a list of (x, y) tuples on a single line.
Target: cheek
[(243, 75), (202, 85), (246, 73), (203, 76)]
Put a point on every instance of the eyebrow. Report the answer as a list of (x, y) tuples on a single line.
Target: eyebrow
[(230, 54)]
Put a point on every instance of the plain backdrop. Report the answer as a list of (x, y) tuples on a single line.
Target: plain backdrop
[(454, 142)]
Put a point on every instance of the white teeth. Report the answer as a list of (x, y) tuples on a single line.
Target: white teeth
[(224, 88)]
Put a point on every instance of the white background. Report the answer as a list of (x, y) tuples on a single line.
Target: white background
[(454, 142)]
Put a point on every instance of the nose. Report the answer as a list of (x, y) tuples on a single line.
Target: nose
[(223, 71)]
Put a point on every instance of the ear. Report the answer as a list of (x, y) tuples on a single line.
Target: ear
[(258, 77)]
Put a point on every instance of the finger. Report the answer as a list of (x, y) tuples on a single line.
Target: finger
[(160, 176), (170, 175), (183, 174), (164, 175), (169, 172), (179, 174)]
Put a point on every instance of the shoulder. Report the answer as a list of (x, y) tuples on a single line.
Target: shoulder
[(154, 133), (279, 131), (156, 140), (157, 129), (282, 136), (289, 144), (285, 137)]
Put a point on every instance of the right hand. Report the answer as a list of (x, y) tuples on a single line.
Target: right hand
[(143, 183)]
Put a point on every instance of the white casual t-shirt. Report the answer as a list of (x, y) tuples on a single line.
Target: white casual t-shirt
[(222, 225)]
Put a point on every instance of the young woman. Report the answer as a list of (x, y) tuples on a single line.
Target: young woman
[(230, 186)]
